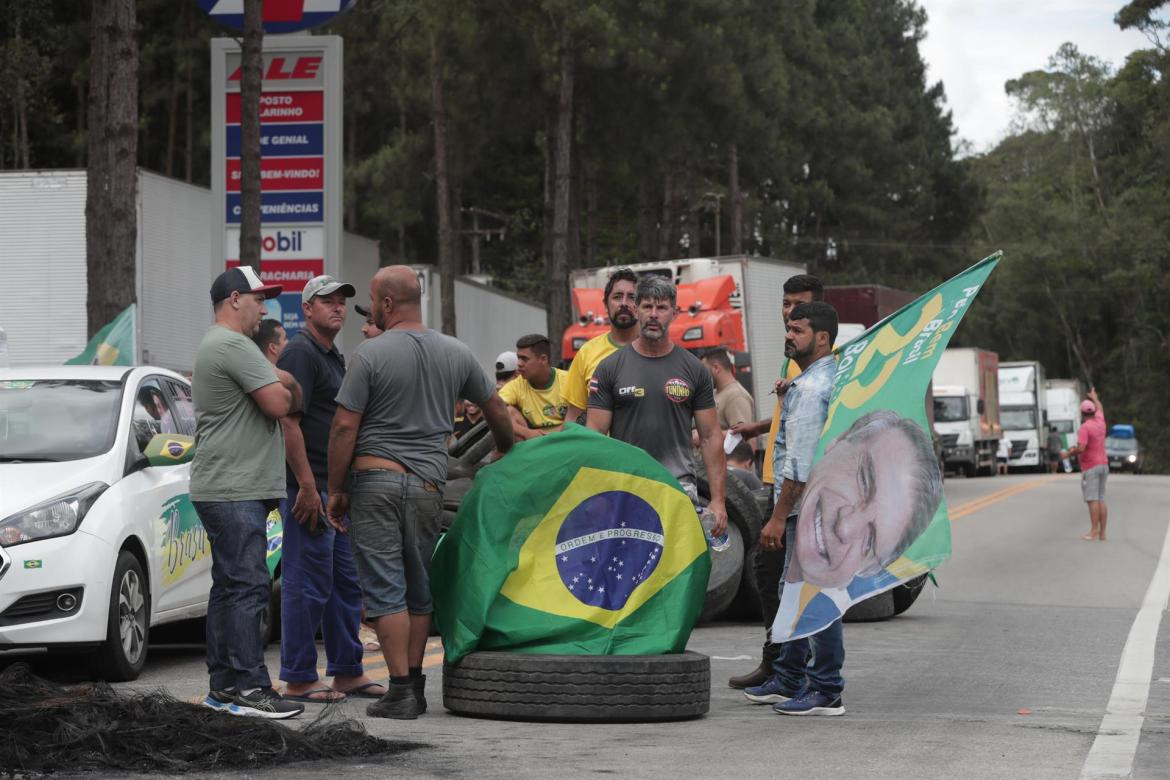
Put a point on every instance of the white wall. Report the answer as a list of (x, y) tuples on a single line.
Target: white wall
[(359, 263), (489, 320)]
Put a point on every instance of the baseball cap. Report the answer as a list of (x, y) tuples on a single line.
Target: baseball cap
[(1088, 407), (362, 310), (506, 362), (241, 279), (325, 285)]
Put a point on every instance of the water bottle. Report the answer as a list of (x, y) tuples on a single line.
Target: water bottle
[(717, 543)]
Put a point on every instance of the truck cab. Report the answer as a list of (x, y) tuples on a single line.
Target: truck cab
[(1023, 411)]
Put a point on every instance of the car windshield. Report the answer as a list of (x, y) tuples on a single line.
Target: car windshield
[(950, 408), (1121, 445), (57, 419), (1018, 419)]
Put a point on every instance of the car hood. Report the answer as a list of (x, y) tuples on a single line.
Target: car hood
[(28, 484)]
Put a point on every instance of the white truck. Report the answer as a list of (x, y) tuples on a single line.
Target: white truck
[(1064, 397), (1023, 411), (966, 409)]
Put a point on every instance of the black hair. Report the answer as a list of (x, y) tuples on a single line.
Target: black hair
[(266, 335), (718, 356), (822, 317), (742, 451), (805, 283), (620, 275), (537, 342)]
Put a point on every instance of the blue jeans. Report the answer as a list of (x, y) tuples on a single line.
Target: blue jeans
[(812, 663), (318, 589), (240, 589)]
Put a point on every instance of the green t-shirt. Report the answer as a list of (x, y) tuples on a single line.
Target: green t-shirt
[(239, 451)]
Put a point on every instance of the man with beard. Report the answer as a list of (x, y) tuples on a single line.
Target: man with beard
[(619, 306), (796, 687), (649, 393)]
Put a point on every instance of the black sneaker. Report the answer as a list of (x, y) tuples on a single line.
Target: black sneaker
[(398, 703), (264, 703), (221, 700)]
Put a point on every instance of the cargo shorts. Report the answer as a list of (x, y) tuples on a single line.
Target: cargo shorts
[(393, 524), (1093, 483)]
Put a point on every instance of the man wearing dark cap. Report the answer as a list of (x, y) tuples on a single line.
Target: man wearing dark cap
[(237, 477), (319, 586), (369, 327)]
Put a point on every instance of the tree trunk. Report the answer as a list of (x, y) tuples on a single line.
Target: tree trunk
[(189, 89), (350, 163), (457, 217), (693, 206), (252, 65), (557, 271), (735, 202), (647, 221), (666, 226), (442, 192), (111, 215), (172, 121), (20, 134)]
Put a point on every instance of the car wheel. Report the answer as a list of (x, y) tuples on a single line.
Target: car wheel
[(873, 609), (579, 688), (123, 654)]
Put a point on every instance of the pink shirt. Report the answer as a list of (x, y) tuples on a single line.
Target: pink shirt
[(1091, 439)]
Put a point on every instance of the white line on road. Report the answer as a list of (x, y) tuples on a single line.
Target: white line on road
[(1117, 738), (731, 658)]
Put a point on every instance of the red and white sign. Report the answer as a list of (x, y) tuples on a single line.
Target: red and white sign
[(294, 243), (282, 173), (281, 107), (305, 67), (292, 275)]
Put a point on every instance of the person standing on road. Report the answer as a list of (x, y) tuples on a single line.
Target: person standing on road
[(270, 338), (651, 391), (319, 586), (1090, 449), (1054, 447), (768, 564), (798, 687), (388, 449), (620, 308), (237, 477), (733, 402), (534, 397), (1002, 453)]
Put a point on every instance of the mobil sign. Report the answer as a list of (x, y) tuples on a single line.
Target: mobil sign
[(300, 160), (278, 16)]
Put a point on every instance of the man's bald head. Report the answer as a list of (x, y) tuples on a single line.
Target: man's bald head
[(396, 296)]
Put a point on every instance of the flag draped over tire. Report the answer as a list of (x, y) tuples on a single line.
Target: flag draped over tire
[(573, 543)]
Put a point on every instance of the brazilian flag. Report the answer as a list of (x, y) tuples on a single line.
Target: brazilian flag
[(112, 346), (572, 543)]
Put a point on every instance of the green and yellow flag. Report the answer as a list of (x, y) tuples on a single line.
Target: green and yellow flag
[(574, 543), (113, 345)]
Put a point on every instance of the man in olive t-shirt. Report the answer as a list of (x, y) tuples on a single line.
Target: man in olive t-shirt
[(237, 476)]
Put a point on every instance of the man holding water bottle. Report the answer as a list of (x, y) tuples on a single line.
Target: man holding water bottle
[(649, 393)]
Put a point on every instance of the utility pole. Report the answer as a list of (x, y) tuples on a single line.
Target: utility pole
[(477, 233), (717, 197), (252, 64)]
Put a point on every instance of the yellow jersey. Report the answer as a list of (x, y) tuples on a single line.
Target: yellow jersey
[(789, 371), (541, 407), (581, 370)]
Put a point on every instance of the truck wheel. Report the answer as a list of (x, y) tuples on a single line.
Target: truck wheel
[(473, 434), (726, 572), (873, 609), (744, 515), (968, 470), (579, 688), (123, 654), (907, 593)]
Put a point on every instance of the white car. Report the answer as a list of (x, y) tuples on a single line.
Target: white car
[(99, 540)]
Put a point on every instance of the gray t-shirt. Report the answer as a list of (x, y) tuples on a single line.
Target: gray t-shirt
[(239, 451), (653, 401), (405, 384)]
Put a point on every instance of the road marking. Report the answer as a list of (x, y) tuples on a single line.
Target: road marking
[(962, 510), (732, 657), (1117, 739)]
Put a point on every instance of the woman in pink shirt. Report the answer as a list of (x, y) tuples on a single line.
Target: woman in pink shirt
[(1090, 448)]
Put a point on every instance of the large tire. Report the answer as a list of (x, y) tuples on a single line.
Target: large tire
[(745, 516), (907, 593), (473, 434), (873, 609), (579, 688), (727, 571), (123, 654)]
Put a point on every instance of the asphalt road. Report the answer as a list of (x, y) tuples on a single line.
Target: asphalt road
[(1005, 670)]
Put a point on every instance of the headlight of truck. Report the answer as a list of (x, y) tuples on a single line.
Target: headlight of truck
[(693, 334), (1132, 458), (58, 516)]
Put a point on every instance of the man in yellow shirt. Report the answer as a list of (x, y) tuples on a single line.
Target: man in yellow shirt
[(769, 564), (623, 328), (535, 396)]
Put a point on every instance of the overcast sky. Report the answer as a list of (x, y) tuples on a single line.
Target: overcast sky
[(974, 46)]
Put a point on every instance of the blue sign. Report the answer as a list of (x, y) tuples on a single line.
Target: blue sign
[(278, 16), (282, 207), (286, 309), (282, 140)]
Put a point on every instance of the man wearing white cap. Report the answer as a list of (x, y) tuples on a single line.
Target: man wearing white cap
[(507, 365), (237, 477)]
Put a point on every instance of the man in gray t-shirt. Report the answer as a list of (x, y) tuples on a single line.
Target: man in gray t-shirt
[(388, 447), (649, 392)]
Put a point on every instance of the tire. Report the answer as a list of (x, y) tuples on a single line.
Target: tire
[(579, 688), (745, 516), (727, 571), (122, 656), (907, 593), (474, 433), (873, 609)]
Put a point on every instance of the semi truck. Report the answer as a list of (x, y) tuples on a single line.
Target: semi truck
[(966, 409), (1023, 412), (1063, 397)]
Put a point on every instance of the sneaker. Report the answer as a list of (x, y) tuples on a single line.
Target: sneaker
[(265, 703), (222, 700), (771, 692), (398, 703), (812, 703)]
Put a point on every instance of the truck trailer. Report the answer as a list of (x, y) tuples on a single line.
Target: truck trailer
[(966, 409), (1023, 412), (1064, 397)]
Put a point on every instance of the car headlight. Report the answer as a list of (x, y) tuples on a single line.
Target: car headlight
[(693, 334), (58, 516), (1132, 458)]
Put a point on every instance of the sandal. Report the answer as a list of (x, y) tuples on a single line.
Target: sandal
[(308, 696), (363, 691)]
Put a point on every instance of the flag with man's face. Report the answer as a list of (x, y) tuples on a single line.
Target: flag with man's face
[(872, 514), (572, 543)]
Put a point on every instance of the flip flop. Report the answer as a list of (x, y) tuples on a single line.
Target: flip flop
[(362, 691), (308, 697), (372, 647)]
